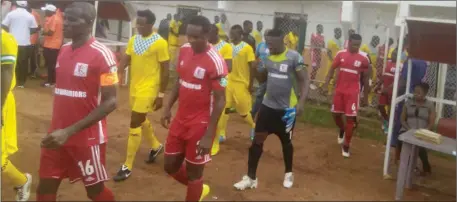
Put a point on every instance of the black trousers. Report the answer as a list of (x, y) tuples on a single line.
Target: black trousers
[(50, 59), (22, 66), (34, 59)]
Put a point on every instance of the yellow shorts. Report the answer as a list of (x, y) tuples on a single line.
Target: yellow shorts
[(238, 96), (9, 133), (142, 104)]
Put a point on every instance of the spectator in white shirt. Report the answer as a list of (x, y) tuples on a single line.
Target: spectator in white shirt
[(21, 24)]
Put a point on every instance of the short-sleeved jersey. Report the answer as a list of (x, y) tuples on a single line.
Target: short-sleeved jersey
[(388, 75), (282, 90), (147, 54), (225, 49), (174, 28), (9, 53), (317, 42), (243, 54), (81, 73), (351, 65), (371, 52), (334, 45), (199, 75)]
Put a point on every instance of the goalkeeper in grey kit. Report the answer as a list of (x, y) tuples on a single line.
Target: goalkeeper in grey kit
[(287, 88)]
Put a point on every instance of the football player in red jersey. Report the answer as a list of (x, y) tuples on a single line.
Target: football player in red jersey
[(385, 88), (352, 65), (85, 93), (200, 89)]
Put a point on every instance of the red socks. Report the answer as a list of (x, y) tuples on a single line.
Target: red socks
[(194, 190), (105, 195), (348, 131), (46, 197), (339, 122), (181, 175)]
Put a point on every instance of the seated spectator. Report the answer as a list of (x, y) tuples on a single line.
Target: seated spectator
[(419, 113)]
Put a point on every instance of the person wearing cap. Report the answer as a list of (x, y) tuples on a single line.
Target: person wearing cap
[(21, 24), (53, 39)]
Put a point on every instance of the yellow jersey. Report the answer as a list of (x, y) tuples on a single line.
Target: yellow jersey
[(243, 54), (403, 57), (225, 49), (257, 36), (372, 53), (333, 46), (9, 53), (174, 28), (291, 41), (147, 54)]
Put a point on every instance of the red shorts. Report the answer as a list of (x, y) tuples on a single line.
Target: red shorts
[(346, 103), (385, 99), (183, 139), (76, 163), (316, 59)]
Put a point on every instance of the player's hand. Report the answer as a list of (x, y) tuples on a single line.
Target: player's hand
[(251, 89), (158, 103), (56, 139), (204, 145), (166, 118), (299, 110)]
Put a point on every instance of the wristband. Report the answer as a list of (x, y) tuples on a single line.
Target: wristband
[(161, 95)]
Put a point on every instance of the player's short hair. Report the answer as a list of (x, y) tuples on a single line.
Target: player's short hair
[(259, 22), (247, 22), (214, 27), (391, 41), (319, 25), (337, 29), (424, 86), (275, 33), (375, 37), (237, 27), (148, 15), (89, 13), (355, 37), (201, 21)]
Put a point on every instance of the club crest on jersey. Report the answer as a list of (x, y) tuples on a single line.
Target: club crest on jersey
[(81, 70), (357, 63), (223, 82), (283, 67), (182, 63), (199, 73)]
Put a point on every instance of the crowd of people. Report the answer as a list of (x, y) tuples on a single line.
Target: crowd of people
[(217, 65)]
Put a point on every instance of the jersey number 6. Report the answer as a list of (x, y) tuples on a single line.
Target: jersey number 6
[(353, 107), (87, 169)]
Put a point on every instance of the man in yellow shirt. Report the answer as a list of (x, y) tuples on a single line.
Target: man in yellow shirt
[(21, 182), (173, 41), (226, 51), (223, 27), (258, 33), (240, 81), (372, 52), (291, 39), (333, 47), (147, 56)]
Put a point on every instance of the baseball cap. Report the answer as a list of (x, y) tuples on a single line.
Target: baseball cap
[(21, 3), (49, 7)]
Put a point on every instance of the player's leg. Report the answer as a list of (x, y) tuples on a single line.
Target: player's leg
[(243, 105), (351, 105), (382, 102), (223, 119), (148, 131), (337, 113), (196, 190), (262, 130), (53, 168), (174, 153), (88, 165), (260, 93), (22, 182), (285, 136)]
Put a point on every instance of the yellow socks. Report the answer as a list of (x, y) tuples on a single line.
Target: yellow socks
[(148, 133), (132, 146), (222, 125), (17, 177)]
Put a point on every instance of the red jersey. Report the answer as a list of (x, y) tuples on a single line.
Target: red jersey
[(351, 65), (80, 74), (317, 42), (199, 74), (388, 75)]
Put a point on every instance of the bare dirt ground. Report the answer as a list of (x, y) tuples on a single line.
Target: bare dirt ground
[(320, 171)]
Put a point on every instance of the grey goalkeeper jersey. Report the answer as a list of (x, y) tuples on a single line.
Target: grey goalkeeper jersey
[(282, 90)]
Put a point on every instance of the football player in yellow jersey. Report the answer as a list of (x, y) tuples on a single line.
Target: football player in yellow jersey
[(257, 34), (226, 51), (147, 56), (372, 51), (21, 182), (240, 81), (333, 46), (223, 26), (291, 39), (173, 41)]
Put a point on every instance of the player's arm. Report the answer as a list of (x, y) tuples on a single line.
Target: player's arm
[(7, 61), (164, 59), (303, 82), (366, 82), (228, 56), (33, 25), (126, 58), (335, 64), (329, 50), (252, 67)]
